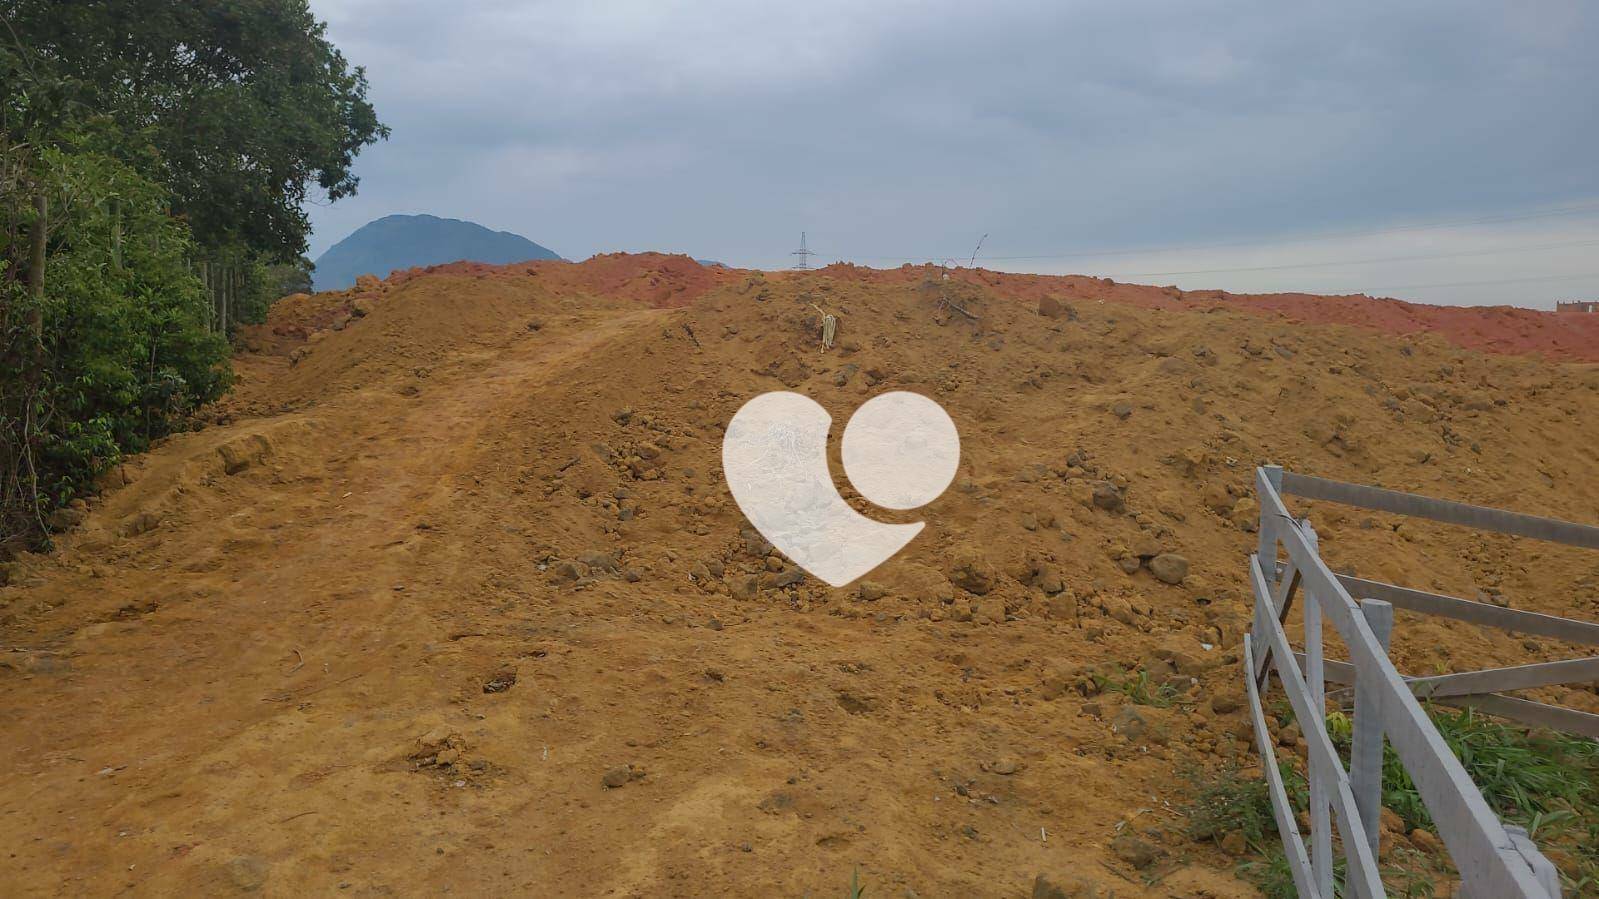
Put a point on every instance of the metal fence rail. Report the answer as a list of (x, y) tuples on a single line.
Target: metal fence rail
[(1493, 860)]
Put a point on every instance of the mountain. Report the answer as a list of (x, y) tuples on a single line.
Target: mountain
[(403, 241)]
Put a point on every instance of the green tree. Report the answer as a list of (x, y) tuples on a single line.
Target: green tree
[(114, 351), (243, 106), (154, 157)]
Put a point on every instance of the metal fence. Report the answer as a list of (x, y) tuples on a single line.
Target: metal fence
[(1493, 860)]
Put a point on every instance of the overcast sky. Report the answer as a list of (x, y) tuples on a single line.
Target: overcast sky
[(1203, 135)]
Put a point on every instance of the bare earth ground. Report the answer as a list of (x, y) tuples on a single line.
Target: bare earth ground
[(394, 621)]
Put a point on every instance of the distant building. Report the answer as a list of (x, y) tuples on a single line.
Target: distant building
[(1591, 306)]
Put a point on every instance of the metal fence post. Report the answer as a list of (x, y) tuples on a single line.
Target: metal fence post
[(1266, 550), (1266, 541), (1366, 739), (1321, 851), (1542, 868)]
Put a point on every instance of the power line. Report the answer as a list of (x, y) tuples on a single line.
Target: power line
[(1586, 208), (1486, 283), (1414, 258)]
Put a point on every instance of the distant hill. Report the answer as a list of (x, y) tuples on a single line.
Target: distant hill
[(403, 241)]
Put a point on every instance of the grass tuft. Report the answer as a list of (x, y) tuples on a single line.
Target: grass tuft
[(1138, 688)]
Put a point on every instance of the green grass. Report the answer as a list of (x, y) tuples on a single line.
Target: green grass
[(1275, 879), (1271, 875), (1538, 779), (1138, 688), (1545, 781), (1225, 801)]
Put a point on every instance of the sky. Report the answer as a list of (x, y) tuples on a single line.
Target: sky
[(1444, 152)]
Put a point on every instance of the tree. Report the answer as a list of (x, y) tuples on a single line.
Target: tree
[(141, 144), (243, 105)]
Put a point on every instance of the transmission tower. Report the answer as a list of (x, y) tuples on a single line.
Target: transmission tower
[(803, 254)]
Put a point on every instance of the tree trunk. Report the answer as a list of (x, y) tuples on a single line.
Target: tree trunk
[(116, 235), (205, 285), (41, 224)]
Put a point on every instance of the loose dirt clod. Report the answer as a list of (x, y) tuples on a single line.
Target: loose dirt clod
[(1061, 639)]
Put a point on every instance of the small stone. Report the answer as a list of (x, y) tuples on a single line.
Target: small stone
[(1234, 844), (615, 777), (1120, 609), (971, 572), (871, 591), (1169, 568), (1006, 764), (786, 578), (744, 586), (248, 872), (1225, 703), (1246, 515), (1047, 577), (1062, 606), (1145, 546), (1134, 851), (989, 610), (1130, 724), (1108, 497), (598, 560), (1122, 410), (1049, 307)]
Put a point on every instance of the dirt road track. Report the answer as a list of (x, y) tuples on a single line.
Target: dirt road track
[(248, 681)]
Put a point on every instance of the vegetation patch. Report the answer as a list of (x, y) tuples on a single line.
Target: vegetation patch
[(1542, 780)]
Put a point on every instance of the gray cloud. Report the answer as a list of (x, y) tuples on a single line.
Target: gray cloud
[(900, 129)]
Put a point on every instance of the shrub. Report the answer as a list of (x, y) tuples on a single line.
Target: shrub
[(117, 350)]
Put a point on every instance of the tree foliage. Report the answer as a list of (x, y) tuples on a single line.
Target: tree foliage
[(245, 104), (154, 158)]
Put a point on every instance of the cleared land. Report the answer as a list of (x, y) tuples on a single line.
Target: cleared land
[(450, 593)]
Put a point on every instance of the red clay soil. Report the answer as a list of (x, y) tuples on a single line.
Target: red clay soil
[(673, 281), (1567, 337), (660, 280)]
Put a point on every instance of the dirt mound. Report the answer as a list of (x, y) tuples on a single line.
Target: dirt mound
[(658, 279), (477, 612), (1495, 329)]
